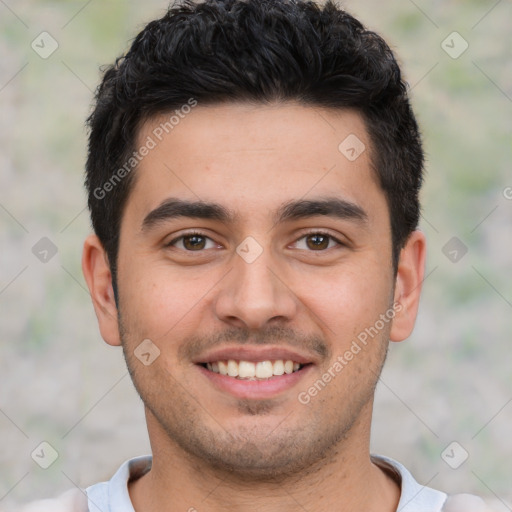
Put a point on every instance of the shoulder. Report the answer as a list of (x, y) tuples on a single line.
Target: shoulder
[(114, 493), (465, 503), (74, 500), (98, 497), (419, 498), (414, 497)]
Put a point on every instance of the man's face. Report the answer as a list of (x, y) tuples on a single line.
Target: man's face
[(278, 279)]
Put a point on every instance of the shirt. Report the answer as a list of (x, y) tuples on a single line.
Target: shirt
[(113, 496)]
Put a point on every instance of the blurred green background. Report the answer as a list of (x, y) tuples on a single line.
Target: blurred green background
[(451, 381)]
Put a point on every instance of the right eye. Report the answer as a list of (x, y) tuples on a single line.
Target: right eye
[(192, 242)]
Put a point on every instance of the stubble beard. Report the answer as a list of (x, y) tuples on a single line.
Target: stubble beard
[(249, 453)]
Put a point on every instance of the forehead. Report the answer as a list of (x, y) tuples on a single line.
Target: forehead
[(253, 157)]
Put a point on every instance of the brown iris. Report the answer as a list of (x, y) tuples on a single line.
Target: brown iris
[(194, 242), (317, 241)]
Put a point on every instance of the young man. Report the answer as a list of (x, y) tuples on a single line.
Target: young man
[(253, 178)]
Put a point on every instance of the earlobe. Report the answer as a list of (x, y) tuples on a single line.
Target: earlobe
[(409, 280), (98, 276)]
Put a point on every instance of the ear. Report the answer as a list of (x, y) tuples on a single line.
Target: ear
[(96, 269), (409, 279)]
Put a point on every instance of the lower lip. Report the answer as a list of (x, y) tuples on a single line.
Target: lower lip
[(255, 389)]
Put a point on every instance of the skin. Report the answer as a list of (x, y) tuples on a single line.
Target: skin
[(213, 450)]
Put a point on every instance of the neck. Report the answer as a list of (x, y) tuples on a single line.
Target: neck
[(346, 481)]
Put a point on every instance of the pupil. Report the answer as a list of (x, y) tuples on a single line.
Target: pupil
[(194, 242), (319, 241)]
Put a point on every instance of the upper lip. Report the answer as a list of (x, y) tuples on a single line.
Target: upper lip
[(254, 354)]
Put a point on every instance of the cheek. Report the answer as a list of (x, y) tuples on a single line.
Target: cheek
[(347, 299), (160, 301)]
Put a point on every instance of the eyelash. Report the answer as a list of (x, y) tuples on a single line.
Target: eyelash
[(186, 235), (303, 235), (322, 233)]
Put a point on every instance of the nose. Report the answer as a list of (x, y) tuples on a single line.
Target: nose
[(255, 294)]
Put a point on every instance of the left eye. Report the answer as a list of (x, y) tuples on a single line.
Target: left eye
[(317, 242), (193, 242)]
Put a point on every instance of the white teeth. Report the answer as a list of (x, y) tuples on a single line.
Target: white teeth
[(232, 368), (249, 370), (246, 369), (278, 367), (264, 370), (223, 367)]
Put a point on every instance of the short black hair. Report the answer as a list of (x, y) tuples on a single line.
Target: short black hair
[(262, 51)]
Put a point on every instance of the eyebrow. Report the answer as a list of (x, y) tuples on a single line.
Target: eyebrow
[(173, 208), (328, 207)]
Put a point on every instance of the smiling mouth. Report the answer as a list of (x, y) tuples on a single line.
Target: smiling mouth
[(249, 370)]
